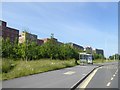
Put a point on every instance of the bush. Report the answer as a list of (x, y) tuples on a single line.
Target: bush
[(7, 65)]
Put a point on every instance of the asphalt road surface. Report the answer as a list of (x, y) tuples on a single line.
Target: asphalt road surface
[(104, 77), (64, 78)]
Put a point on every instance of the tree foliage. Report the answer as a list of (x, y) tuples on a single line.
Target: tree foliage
[(32, 51), (116, 56), (98, 56)]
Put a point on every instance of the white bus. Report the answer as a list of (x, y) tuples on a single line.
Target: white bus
[(86, 58)]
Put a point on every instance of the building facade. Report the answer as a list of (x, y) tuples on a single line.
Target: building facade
[(88, 49), (7, 32), (54, 39), (76, 46), (99, 51), (26, 37), (47, 39), (40, 42)]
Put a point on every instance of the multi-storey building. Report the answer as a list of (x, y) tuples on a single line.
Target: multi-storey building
[(55, 40), (7, 32), (76, 46), (99, 51), (26, 37), (40, 42), (47, 39), (88, 49)]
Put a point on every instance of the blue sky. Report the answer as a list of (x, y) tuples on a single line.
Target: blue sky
[(87, 24)]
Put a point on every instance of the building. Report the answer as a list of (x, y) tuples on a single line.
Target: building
[(40, 42), (60, 43), (99, 51), (76, 46), (7, 32), (26, 37), (55, 40), (47, 39), (88, 49)]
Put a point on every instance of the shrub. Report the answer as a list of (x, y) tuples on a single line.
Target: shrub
[(7, 65)]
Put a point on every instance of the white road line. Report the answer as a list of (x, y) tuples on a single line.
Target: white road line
[(111, 78), (69, 72), (83, 74), (116, 71), (88, 79), (114, 75), (108, 84)]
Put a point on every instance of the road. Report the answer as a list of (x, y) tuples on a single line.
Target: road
[(64, 78), (104, 77)]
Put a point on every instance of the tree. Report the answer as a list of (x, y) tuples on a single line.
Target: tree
[(31, 51), (116, 56), (7, 48), (15, 49), (98, 56)]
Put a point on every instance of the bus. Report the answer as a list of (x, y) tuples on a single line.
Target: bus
[(86, 58)]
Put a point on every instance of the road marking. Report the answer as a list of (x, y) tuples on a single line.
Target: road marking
[(77, 82), (69, 73), (116, 71), (87, 80), (114, 75), (111, 78), (83, 74), (108, 84)]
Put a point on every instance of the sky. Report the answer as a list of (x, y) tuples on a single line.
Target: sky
[(92, 24)]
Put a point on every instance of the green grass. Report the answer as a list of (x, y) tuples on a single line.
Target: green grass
[(24, 68), (102, 61), (0, 68)]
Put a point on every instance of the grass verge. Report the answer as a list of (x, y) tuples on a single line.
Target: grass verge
[(102, 61), (24, 68), (13, 69)]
